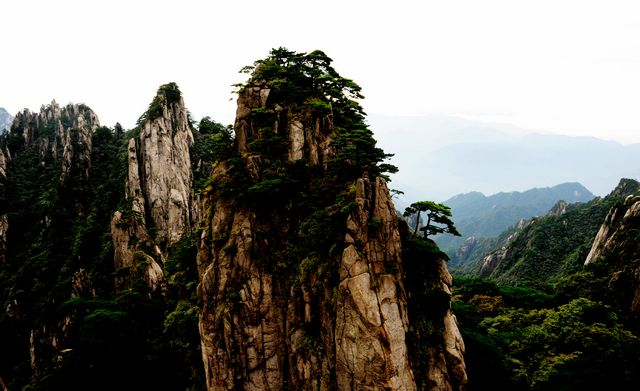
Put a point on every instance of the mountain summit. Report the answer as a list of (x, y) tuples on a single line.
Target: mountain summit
[(177, 255)]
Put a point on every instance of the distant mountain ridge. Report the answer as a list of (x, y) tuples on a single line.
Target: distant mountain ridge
[(5, 120), (477, 215), (546, 248)]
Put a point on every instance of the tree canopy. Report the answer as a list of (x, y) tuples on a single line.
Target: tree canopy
[(309, 80), (438, 218)]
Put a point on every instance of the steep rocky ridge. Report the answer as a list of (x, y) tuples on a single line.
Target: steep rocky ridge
[(64, 131), (300, 257), (617, 245), (158, 188), (301, 264), (45, 169)]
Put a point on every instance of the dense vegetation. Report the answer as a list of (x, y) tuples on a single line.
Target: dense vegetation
[(572, 335), (546, 322), (58, 281), (544, 248)]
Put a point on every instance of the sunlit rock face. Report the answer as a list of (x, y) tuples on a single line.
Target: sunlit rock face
[(64, 131), (617, 243), (158, 188), (310, 330)]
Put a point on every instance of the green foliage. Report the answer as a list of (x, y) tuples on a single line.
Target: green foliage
[(544, 249), (291, 76), (438, 218), (59, 227), (545, 339), (427, 301), (213, 142), (309, 80), (576, 346), (167, 95)]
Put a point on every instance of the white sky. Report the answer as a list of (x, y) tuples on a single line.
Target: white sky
[(571, 67)]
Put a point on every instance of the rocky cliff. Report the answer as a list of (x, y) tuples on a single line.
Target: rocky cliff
[(63, 132), (288, 231), (45, 155), (617, 245), (158, 190), (300, 260)]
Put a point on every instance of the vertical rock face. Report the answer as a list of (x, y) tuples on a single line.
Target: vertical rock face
[(4, 221), (60, 139), (68, 132), (165, 170), (254, 326), (255, 335), (617, 243), (159, 189), (447, 368), (335, 323), (372, 320), (309, 136), (64, 137)]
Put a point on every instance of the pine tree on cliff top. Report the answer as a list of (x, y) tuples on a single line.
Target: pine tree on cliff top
[(309, 79)]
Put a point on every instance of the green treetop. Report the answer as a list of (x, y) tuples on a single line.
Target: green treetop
[(438, 218), (309, 81)]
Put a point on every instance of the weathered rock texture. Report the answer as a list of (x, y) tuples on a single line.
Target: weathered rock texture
[(255, 327), (62, 137), (68, 132), (618, 243), (159, 189), (315, 329), (372, 319), (309, 135), (447, 368)]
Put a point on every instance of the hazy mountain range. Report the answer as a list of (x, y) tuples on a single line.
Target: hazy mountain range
[(480, 216), (440, 157)]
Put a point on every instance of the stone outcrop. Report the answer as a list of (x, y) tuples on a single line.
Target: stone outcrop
[(315, 329), (619, 219), (258, 330), (158, 188), (491, 261), (67, 135), (558, 209), (617, 243), (4, 220), (62, 137), (164, 171), (447, 368), (466, 248), (372, 319), (309, 136)]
